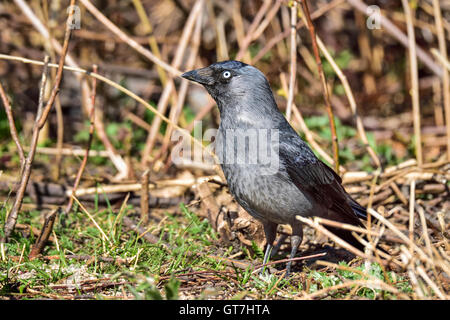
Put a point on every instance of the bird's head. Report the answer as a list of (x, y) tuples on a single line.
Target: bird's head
[(229, 80)]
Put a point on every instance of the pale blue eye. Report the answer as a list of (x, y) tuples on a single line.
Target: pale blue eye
[(226, 74)]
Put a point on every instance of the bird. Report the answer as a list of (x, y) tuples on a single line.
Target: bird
[(294, 182)]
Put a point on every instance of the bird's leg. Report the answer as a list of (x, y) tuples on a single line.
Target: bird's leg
[(267, 254), (296, 239), (277, 246), (270, 230)]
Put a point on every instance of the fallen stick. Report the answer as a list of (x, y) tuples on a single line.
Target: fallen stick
[(71, 152), (79, 257), (44, 234), (137, 186), (144, 196)]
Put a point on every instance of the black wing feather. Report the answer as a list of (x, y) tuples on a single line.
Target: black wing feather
[(311, 175)]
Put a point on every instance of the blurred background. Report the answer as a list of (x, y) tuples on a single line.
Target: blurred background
[(374, 62)]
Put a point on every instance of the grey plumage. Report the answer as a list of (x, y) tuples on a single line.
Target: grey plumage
[(301, 184)]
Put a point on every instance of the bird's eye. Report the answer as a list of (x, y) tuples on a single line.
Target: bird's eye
[(226, 74)]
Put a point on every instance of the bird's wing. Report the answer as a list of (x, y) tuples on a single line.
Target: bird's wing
[(315, 178)]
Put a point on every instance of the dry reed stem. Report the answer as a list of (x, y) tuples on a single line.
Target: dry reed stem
[(239, 27), (441, 264), (12, 126), (144, 196), (11, 217), (364, 283), (414, 81), (275, 286), (116, 159), (346, 226), (59, 116), (417, 173), (137, 186), (88, 147), (104, 236), (407, 260), (371, 248), (308, 22), (427, 240), (446, 75), (169, 88), (125, 38), (179, 54), (412, 201), (313, 223), (176, 111), (293, 61), (120, 214), (425, 231), (344, 268), (142, 233), (118, 87), (59, 136), (394, 31), (249, 33), (352, 102), (148, 29), (361, 273), (269, 17), (441, 58), (430, 282), (281, 36), (161, 107), (398, 193), (71, 152), (41, 118), (271, 263), (217, 24)]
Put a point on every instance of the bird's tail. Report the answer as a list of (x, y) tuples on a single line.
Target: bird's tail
[(348, 237)]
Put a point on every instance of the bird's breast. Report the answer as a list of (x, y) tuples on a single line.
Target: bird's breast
[(267, 196)]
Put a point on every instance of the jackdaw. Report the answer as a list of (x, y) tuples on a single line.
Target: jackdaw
[(274, 192)]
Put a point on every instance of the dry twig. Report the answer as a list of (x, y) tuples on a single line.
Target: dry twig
[(414, 81), (308, 22)]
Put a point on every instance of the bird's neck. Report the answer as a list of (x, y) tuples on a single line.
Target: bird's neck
[(250, 112)]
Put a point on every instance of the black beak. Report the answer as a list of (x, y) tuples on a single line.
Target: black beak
[(203, 76)]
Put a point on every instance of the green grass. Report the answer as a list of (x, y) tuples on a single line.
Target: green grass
[(186, 236), (153, 270)]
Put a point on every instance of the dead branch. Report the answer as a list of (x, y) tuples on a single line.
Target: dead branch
[(44, 235), (308, 22)]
